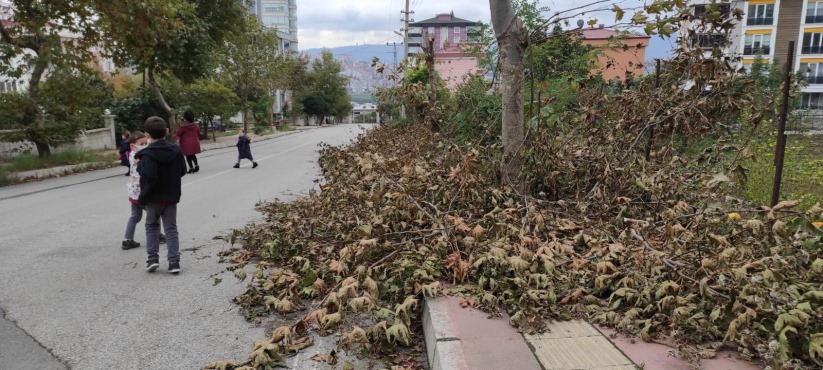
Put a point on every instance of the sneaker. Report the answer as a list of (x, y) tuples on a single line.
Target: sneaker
[(174, 267), (151, 266), (237, 165), (196, 168), (162, 238), (255, 165), (129, 244)]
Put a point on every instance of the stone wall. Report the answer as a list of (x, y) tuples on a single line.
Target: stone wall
[(97, 139)]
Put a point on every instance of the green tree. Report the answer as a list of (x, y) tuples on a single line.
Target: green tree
[(74, 100), (32, 41), (326, 94), (251, 64), (209, 98), (176, 37)]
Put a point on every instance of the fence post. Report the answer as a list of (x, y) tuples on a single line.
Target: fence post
[(780, 148), (109, 122)]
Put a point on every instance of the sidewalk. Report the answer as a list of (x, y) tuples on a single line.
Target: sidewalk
[(205, 145), (460, 338)]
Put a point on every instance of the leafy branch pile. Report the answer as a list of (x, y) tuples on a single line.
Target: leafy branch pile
[(402, 213)]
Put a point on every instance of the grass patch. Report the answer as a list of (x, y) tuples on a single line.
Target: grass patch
[(802, 170), (285, 128), (32, 162)]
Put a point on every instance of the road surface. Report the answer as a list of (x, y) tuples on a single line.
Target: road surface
[(71, 298)]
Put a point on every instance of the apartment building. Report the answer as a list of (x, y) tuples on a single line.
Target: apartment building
[(280, 15), (450, 34), (766, 29)]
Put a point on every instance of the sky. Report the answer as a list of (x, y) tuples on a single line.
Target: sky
[(332, 23)]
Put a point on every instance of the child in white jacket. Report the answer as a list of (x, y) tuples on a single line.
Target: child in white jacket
[(137, 141)]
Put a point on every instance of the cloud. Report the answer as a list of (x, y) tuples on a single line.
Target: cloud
[(332, 23)]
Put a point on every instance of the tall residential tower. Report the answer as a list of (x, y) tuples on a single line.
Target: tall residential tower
[(280, 15)]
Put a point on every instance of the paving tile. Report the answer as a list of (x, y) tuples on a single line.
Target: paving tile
[(594, 352)]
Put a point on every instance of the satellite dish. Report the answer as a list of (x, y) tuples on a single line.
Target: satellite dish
[(580, 23)]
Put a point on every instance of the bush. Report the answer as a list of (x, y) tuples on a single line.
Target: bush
[(476, 114), (802, 170)]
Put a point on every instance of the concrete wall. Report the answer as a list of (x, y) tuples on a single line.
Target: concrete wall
[(97, 139)]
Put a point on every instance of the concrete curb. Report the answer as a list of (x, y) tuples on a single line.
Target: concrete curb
[(46, 173), (460, 338), (59, 171)]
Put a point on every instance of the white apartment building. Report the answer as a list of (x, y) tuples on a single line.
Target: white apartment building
[(280, 15)]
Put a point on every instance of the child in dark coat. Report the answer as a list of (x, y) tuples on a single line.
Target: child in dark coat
[(125, 149), (161, 168), (244, 149)]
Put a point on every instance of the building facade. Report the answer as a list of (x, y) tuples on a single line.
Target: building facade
[(449, 33), (765, 31), (620, 54), (280, 15), (451, 36)]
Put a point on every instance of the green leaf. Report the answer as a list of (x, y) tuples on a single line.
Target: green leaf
[(310, 278)]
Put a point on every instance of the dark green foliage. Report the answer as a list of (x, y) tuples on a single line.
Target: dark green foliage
[(324, 92), (477, 115)]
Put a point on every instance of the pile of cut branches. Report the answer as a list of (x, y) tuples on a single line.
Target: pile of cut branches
[(402, 213)]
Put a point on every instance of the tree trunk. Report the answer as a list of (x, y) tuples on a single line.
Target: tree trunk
[(160, 99), (30, 113), (511, 41), (432, 116)]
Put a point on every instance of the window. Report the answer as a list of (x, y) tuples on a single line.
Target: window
[(812, 43), (457, 40), (457, 29), (707, 41), (812, 101), (431, 30), (760, 15), (812, 72), (274, 9), (814, 12), (702, 10), (757, 44), (270, 20)]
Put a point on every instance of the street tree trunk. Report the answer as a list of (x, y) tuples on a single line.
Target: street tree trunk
[(161, 100), (31, 116), (511, 41), (432, 116)]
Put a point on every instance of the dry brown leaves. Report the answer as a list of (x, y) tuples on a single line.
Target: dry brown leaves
[(401, 210)]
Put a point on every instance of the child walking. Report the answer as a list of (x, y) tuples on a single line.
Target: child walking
[(136, 141), (123, 144), (244, 149), (161, 168), (188, 137)]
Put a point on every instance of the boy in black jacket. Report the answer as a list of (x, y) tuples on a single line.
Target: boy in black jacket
[(161, 166)]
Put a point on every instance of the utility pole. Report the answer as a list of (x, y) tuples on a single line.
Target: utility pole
[(394, 53), (405, 30)]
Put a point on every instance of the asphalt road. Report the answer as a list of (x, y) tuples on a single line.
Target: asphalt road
[(72, 298)]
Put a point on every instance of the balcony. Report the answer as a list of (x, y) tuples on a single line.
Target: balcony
[(817, 49), (766, 21), (750, 50), (814, 19)]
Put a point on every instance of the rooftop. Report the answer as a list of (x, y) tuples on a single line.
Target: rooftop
[(446, 18), (605, 33)]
